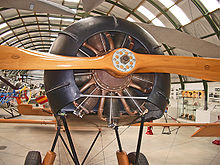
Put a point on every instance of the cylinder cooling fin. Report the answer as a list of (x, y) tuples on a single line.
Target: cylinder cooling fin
[(96, 36)]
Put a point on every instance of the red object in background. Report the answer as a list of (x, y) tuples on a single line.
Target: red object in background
[(25, 95), (149, 130), (216, 142), (42, 99)]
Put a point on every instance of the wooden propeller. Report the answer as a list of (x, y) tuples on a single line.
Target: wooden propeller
[(120, 62)]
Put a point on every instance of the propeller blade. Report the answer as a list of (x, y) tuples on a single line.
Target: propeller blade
[(39, 6), (182, 40), (120, 62), (20, 59), (89, 5), (202, 68)]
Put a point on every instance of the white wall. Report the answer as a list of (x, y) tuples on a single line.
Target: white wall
[(172, 108)]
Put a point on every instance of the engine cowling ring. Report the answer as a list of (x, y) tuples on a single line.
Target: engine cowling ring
[(60, 85)]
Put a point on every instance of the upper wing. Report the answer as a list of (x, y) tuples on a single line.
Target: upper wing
[(181, 40)]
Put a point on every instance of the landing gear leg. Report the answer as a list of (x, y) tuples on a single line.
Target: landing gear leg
[(50, 156), (139, 140), (137, 158), (121, 155), (74, 154)]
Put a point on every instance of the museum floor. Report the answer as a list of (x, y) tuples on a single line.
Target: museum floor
[(175, 149)]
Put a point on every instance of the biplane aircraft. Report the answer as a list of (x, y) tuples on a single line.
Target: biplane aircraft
[(109, 72)]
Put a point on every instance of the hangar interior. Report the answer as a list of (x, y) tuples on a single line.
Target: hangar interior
[(39, 25)]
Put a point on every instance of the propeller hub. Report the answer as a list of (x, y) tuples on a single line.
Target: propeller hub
[(124, 60)]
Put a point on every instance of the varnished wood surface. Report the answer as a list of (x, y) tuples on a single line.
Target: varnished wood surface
[(15, 58), (202, 68), (28, 109), (207, 132), (179, 124), (26, 121)]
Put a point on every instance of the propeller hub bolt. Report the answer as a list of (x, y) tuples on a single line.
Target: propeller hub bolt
[(124, 59)]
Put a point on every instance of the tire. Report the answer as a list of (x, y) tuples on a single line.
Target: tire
[(33, 158), (142, 160)]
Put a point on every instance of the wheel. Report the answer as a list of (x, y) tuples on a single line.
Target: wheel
[(98, 36), (142, 160), (33, 158)]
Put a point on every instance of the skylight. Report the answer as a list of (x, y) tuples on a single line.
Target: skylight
[(5, 34), (211, 5), (146, 12), (130, 19), (167, 3), (52, 39), (11, 39), (56, 30), (55, 18), (53, 35), (157, 22), (59, 19), (68, 19), (3, 25), (179, 14), (176, 11), (74, 10), (76, 1), (18, 45), (150, 16)]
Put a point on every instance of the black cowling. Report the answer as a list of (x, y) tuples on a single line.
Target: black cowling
[(60, 86)]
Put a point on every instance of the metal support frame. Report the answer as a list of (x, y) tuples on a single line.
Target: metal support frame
[(205, 85), (72, 152), (118, 139), (139, 140), (11, 112), (90, 148), (168, 127), (168, 132)]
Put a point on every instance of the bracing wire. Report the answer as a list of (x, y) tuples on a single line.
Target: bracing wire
[(108, 144), (103, 153)]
